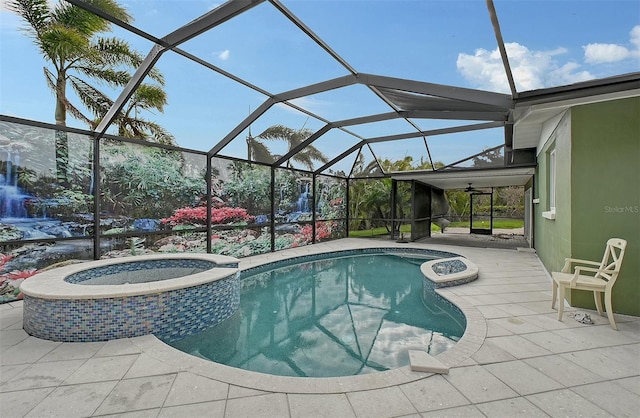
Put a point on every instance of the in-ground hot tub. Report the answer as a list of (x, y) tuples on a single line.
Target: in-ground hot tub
[(168, 295)]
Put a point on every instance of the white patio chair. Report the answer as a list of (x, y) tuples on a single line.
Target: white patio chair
[(598, 277)]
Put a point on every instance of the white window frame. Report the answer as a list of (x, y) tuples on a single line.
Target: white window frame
[(552, 180), (551, 213)]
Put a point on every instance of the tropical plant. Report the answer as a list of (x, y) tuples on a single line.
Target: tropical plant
[(371, 198), (508, 200), (258, 151), (459, 205), (243, 243), (68, 38), (287, 190), (147, 182), (249, 187), (370, 170), (330, 198), (511, 199), (370, 195), (67, 202)]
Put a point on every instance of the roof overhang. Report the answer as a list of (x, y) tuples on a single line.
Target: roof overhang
[(533, 108), (479, 178)]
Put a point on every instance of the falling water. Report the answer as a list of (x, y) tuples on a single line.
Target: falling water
[(303, 199), (11, 197)]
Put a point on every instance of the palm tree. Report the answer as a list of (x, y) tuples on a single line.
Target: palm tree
[(130, 125), (67, 37), (258, 151)]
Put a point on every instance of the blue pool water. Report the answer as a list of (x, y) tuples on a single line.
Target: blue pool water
[(336, 316)]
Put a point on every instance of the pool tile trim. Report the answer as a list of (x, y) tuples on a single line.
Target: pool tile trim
[(58, 310)]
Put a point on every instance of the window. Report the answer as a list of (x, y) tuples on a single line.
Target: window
[(551, 170), (552, 180)]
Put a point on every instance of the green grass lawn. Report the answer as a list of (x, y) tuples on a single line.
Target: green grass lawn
[(382, 231), (497, 224)]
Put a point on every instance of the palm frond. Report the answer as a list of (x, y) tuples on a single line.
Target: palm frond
[(259, 151), (86, 22), (93, 99), (304, 160), (294, 138), (76, 113), (159, 134), (131, 127), (62, 43), (113, 8), (156, 76), (114, 51), (308, 155), (51, 80), (83, 21), (148, 96), (35, 12), (276, 132), (138, 128), (107, 75), (118, 52)]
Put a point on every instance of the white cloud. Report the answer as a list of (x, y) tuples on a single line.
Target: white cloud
[(531, 69), (483, 69), (568, 74), (599, 53), (635, 36), (539, 69), (224, 55)]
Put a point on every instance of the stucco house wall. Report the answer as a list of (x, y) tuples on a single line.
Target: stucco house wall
[(598, 194), (553, 236)]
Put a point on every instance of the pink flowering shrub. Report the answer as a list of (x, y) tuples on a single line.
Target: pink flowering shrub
[(198, 216), (324, 230), (10, 282)]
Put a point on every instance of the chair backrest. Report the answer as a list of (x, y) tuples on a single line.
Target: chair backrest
[(612, 260)]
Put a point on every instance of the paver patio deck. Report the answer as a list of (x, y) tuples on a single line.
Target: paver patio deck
[(515, 359)]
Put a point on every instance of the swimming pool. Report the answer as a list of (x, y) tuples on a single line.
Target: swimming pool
[(339, 314)]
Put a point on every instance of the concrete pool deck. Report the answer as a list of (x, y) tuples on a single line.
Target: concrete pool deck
[(515, 360)]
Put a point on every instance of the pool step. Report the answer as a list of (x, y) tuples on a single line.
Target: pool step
[(421, 361)]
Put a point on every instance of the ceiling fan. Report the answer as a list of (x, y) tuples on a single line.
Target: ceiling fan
[(470, 189)]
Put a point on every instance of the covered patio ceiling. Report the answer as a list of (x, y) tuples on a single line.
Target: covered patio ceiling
[(404, 113), (477, 178)]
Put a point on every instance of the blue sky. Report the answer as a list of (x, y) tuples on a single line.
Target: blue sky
[(550, 43)]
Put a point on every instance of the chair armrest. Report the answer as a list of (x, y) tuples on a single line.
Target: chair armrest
[(569, 261), (579, 269)]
